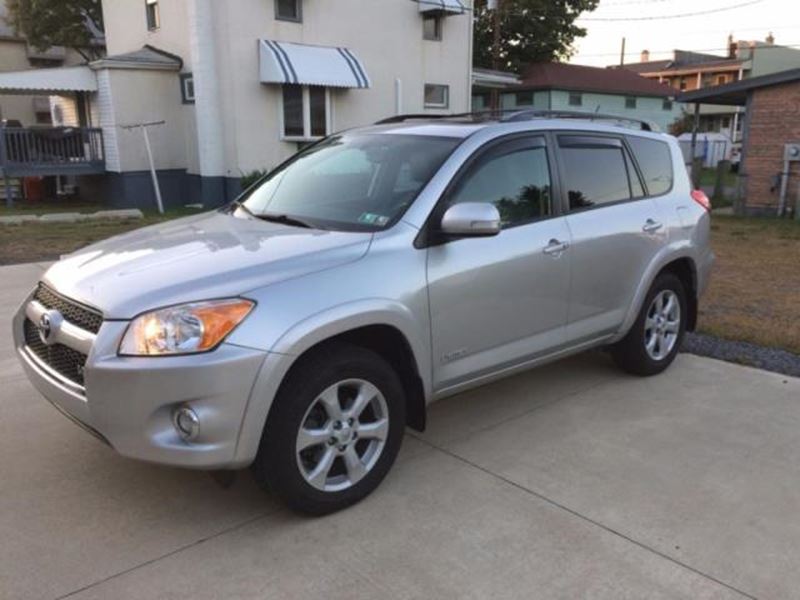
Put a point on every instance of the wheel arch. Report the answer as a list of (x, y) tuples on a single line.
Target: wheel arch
[(388, 330), (679, 261)]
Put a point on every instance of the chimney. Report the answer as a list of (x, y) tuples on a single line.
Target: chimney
[(645, 56), (771, 39), (731, 46)]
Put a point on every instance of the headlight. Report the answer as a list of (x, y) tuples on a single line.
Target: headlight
[(184, 329)]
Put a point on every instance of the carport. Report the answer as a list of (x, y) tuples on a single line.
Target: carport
[(770, 160)]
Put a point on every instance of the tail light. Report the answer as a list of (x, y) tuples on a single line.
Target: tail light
[(700, 197)]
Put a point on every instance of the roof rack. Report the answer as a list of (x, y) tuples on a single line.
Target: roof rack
[(515, 114), (524, 115)]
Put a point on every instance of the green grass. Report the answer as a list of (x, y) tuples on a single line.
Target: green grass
[(34, 242), (708, 177)]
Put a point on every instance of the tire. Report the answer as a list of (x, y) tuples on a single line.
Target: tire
[(632, 353), (325, 476)]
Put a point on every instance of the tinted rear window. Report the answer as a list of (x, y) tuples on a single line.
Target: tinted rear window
[(594, 176), (655, 162)]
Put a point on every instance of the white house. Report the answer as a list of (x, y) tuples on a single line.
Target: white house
[(240, 85)]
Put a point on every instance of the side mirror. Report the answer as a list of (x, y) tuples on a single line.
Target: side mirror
[(471, 219)]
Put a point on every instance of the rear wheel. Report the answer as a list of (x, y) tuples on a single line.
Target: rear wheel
[(334, 431), (655, 338)]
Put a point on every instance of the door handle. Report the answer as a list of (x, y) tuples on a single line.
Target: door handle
[(555, 247), (651, 226)]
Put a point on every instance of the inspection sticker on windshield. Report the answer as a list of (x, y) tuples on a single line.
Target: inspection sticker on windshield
[(373, 219)]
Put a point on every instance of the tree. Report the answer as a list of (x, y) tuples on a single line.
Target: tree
[(530, 31), (47, 23), (682, 124)]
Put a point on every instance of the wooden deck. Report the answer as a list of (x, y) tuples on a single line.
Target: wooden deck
[(27, 151)]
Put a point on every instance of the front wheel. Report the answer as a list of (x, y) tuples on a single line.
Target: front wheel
[(655, 338), (334, 430)]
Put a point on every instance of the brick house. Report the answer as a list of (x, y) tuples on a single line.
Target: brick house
[(771, 138)]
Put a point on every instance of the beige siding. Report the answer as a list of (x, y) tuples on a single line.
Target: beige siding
[(129, 90), (126, 27), (385, 34), (107, 120)]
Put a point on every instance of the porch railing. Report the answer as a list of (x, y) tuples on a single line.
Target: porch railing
[(28, 151)]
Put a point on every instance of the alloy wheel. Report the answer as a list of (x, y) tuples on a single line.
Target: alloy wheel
[(342, 435), (662, 325)]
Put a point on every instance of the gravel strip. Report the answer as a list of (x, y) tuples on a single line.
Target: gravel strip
[(743, 353)]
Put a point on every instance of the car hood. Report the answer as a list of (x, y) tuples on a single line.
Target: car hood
[(212, 255)]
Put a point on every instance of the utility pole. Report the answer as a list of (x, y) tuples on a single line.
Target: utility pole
[(622, 54), (149, 150)]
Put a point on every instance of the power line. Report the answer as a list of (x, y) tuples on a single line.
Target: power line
[(678, 16), (758, 48)]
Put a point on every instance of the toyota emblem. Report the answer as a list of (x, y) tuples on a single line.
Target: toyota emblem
[(49, 323)]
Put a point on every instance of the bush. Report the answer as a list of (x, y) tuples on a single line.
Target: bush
[(250, 178)]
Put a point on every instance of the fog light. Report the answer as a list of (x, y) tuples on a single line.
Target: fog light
[(186, 423)]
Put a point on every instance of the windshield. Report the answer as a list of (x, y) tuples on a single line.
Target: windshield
[(350, 182)]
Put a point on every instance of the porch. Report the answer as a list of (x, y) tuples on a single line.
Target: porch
[(70, 148)]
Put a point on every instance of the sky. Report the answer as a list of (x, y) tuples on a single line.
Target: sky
[(704, 32)]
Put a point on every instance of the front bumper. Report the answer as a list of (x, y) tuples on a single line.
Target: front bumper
[(128, 401)]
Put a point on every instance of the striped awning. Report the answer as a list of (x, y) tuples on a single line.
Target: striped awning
[(302, 64), (48, 81), (442, 6)]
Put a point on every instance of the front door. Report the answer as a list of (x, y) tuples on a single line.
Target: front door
[(500, 300)]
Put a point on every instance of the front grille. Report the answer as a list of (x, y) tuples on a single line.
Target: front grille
[(63, 360), (77, 314)]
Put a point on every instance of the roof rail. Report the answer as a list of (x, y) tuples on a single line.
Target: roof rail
[(412, 116), (523, 115), (515, 114)]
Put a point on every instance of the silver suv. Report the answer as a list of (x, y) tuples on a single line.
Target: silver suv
[(302, 328)]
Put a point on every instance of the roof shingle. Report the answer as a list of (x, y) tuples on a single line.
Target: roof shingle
[(578, 78)]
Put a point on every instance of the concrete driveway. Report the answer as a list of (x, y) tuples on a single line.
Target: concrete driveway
[(573, 481)]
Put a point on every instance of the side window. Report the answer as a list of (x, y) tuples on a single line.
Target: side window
[(594, 171), (655, 161), (517, 182)]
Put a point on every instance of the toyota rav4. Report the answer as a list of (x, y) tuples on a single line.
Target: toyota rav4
[(300, 329)]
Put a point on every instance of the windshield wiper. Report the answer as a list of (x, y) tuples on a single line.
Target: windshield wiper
[(286, 220)]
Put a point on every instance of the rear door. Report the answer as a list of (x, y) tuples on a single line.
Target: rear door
[(616, 230)]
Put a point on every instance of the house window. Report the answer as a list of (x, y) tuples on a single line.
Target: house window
[(432, 28), (437, 96), (722, 80), (524, 98), (667, 105), (630, 102), (289, 10), (187, 88), (153, 14), (682, 84), (306, 112), (575, 99)]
